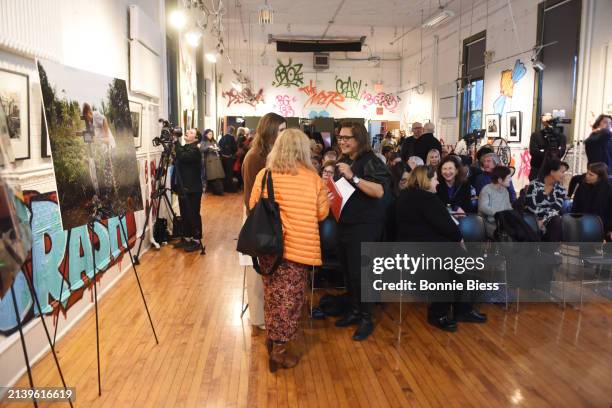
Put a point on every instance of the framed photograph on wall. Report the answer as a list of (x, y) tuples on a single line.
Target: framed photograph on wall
[(15, 100), (492, 125), (514, 122), (136, 115)]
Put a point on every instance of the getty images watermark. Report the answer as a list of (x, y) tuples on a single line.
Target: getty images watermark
[(485, 272)]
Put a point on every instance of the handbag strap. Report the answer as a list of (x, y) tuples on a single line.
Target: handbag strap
[(266, 180)]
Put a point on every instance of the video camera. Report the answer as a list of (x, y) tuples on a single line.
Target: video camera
[(474, 136), (168, 134)]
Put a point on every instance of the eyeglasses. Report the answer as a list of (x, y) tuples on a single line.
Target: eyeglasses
[(344, 138), (330, 172)]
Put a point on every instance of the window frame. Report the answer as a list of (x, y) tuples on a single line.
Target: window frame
[(465, 106)]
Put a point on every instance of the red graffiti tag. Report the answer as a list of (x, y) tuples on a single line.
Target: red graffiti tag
[(246, 96), (322, 98), (381, 99)]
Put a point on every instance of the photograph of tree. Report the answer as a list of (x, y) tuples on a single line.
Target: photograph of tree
[(92, 143)]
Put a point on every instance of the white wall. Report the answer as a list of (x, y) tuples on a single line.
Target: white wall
[(91, 35)]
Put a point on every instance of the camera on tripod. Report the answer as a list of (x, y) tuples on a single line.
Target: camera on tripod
[(168, 134), (473, 137)]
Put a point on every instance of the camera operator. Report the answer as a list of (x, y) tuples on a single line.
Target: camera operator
[(188, 186), (547, 143)]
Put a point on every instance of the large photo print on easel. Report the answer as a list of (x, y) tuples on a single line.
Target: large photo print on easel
[(92, 143)]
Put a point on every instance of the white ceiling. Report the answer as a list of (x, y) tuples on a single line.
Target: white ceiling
[(379, 20)]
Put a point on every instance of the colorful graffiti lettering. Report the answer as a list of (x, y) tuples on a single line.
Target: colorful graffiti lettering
[(506, 85), (322, 98), (288, 75), (246, 96), (59, 256), (381, 99), (525, 168), (349, 89), (284, 105)]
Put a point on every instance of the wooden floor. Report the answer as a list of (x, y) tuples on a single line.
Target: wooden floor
[(208, 356)]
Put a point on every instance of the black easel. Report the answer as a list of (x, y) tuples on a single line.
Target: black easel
[(30, 282), (23, 344), (90, 226)]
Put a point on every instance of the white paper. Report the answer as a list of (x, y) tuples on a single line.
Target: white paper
[(346, 190)]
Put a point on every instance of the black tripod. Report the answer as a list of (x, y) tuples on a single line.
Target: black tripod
[(160, 191), (97, 217)]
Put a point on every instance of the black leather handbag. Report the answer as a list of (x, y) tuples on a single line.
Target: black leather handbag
[(262, 232)]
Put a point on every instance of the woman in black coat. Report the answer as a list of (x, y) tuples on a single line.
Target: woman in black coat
[(228, 147), (422, 217), (594, 196), (453, 188)]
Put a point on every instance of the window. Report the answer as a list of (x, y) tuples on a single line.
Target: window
[(556, 84), (472, 83)]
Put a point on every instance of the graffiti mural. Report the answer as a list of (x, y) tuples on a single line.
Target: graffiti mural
[(381, 99), (60, 256), (288, 75), (506, 85), (246, 96), (284, 105), (348, 88), (320, 114), (322, 98), (525, 167)]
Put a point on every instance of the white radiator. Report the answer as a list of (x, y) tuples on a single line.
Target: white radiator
[(32, 27)]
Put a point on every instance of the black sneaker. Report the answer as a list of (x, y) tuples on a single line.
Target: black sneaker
[(193, 246), (354, 317), (366, 327), (181, 244), (443, 323), (473, 316)]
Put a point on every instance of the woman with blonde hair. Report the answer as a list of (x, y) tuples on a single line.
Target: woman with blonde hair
[(302, 199), (268, 128)]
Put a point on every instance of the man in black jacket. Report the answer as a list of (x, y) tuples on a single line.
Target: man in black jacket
[(188, 168), (229, 147), (548, 142), (420, 143)]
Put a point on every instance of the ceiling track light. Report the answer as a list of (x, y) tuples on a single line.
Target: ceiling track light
[(438, 18), (266, 14)]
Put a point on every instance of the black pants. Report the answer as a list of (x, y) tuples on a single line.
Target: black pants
[(554, 230), (190, 211), (349, 252), (228, 164)]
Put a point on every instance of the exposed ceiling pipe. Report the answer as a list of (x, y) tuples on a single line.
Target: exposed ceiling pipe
[(333, 19)]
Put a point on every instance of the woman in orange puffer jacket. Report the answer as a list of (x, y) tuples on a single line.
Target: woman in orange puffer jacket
[(302, 198)]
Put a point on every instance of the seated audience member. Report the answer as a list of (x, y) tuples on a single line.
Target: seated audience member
[(386, 152), (488, 161), (598, 146), (388, 141), (494, 197), (594, 196), (414, 162), (453, 189), (328, 170), (399, 178), (544, 199), (433, 158), (394, 158), (422, 217), (330, 154), (301, 210), (316, 162)]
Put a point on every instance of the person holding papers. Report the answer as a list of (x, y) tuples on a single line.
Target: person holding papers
[(361, 180)]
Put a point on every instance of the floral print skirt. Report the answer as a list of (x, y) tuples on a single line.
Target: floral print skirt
[(284, 296)]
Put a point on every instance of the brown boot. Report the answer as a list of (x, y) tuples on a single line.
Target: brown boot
[(269, 346), (280, 357)]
